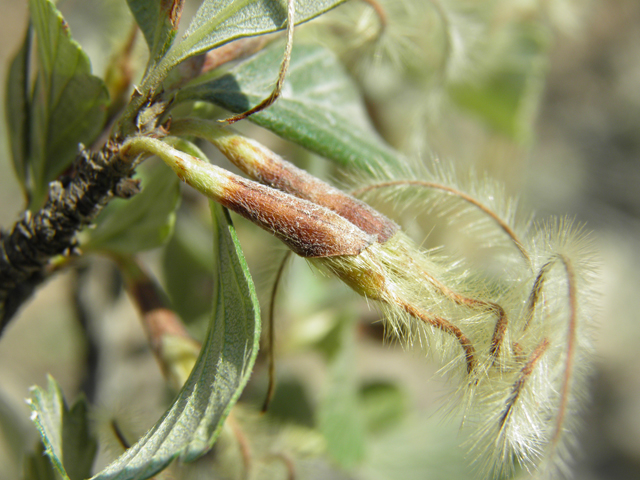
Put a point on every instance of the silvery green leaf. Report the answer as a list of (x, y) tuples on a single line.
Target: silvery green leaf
[(36, 465), (65, 432), (382, 405), (142, 222), (506, 97), (69, 104), (339, 415), (15, 433), (192, 424), (17, 109), (419, 447), (158, 20), (220, 21), (187, 266), (320, 107)]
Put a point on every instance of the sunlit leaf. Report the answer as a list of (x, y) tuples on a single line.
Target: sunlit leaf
[(36, 466), (69, 104), (65, 432), (158, 20), (191, 425), (220, 21), (17, 109), (422, 446), (382, 404), (339, 415), (15, 433), (506, 98), (142, 222), (320, 107), (188, 266)]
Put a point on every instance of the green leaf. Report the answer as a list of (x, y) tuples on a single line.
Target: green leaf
[(65, 432), (320, 107), (506, 99), (191, 425), (158, 20), (220, 21), (69, 104), (188, 266), (15, 434), (143, 222), (339, 416), (36, 466), (421, 447), (17, 102), (383, 405)]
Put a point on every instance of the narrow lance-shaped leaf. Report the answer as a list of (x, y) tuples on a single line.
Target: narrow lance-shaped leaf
[(320, 107), (17, 109), (158, 20), (220, 21), (191, 425), (339, 415), (187, 268), (65, 432), (142, 222), (506, 97), (36, 466), (16, 430), (69, 105)]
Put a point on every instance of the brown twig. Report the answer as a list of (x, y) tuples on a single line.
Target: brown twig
[(124, 443), (158, 320), (119, 75), (446, 327), (501, 324), (536, 291), (282, 74), (525, 373), (193, 67), (243, 443), (380, 13), (271, 361), (571, 345)]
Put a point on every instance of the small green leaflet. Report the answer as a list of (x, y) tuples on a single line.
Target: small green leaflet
[(187, 269), (382, 405), (191, 425), (69, 104), (339, 414), (139, 223), (15, 432), (320, 108), (17, 109), (36, 465), (220, 21), (65, 432), (506, 97), (158, 20)]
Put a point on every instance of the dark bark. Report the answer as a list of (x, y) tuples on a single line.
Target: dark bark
[(73, 203)]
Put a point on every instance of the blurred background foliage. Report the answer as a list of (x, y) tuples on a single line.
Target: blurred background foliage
[(542, 95)]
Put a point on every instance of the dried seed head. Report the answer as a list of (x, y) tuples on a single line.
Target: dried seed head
[(270, 169), (515, 345), (308, 229)]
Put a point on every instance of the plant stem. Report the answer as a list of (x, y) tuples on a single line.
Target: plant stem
[(28, 248)]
